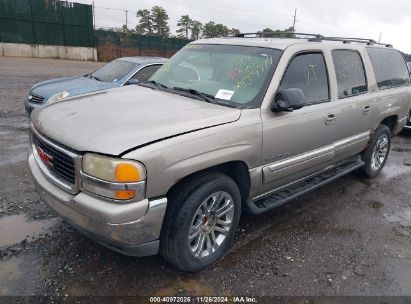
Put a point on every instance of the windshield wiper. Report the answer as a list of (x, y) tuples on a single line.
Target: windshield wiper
[(157, 84), (204, 96), (96, 78)]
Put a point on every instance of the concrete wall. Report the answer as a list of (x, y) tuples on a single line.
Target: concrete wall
[(47, 51)]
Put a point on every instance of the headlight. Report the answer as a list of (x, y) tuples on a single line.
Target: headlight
[(59, 96), (114, 178)]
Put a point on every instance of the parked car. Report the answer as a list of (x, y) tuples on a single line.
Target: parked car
[(171, 165), (117, 73)]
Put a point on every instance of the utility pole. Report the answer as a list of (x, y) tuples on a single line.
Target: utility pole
[(379, 39), (126, 19), (94, 17), (295, 19)]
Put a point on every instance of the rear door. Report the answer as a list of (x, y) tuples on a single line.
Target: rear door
[(355, 107)]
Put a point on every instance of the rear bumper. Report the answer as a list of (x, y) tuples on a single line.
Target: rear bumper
[(131, 229)]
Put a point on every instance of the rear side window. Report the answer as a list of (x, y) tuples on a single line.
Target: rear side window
[(349, 70), (145, 73), (389, 68), (308, 73)]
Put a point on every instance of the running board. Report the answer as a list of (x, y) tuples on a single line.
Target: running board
[(283, 196)]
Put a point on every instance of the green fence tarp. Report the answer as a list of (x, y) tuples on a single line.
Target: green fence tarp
[(50, 22)]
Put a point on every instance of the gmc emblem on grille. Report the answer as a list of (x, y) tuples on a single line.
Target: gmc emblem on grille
[(47, 159)]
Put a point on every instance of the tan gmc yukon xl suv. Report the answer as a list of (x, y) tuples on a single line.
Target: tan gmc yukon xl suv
[(226, 126)]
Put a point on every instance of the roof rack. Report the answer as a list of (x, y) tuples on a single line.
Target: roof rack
[(357, 40), (313, 37), (279, 34)]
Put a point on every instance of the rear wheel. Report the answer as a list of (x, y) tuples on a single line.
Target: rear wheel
[(203, 225), (377, 151)]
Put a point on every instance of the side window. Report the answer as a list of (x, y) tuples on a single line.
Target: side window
[(145, 73), (349, 70), (389, 67), (308, 73)]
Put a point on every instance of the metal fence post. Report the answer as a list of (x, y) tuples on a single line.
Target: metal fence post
[(63, 24), (32, 21)]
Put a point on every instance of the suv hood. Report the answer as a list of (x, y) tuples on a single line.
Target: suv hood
[(120, 119)]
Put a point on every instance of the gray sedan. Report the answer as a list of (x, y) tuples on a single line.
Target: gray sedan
[(117, 73)]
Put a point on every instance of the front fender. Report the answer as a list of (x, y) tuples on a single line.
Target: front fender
[(170, 160)]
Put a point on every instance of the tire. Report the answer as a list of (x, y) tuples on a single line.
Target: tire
[(376, 154), (189, 216)]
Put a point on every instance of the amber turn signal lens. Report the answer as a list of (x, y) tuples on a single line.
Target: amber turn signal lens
[(125, 194), (127, 173)]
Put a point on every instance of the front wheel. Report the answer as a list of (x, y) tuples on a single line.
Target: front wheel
[(204, 224), (376, 154)]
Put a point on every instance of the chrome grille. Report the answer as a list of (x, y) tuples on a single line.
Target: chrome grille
[(60, 164), (36, 98)]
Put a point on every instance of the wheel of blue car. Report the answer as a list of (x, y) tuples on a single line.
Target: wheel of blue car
[(203, 225)]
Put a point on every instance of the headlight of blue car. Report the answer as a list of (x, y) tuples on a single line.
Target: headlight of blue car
[(59, 96)]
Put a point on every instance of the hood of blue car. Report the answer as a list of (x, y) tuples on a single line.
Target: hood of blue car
[(75, 85)]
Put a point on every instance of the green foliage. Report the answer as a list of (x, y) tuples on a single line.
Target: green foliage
[(154, 22), (159, 19), (184, 26), (145, 24), (287, 33), (196, 29), (212, 29), (234, 32)]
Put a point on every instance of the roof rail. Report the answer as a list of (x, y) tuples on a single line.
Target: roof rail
[(313, 37), (279, 34), (357, 40)]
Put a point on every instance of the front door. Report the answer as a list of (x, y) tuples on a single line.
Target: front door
[(299, 143)]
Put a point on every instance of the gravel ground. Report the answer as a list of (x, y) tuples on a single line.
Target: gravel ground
[(351, 237)]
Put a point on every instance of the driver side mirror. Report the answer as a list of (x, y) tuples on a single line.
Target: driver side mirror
[(288, 100), (132, 81)]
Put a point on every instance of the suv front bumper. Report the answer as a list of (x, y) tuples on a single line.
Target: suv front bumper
[(110, 224)]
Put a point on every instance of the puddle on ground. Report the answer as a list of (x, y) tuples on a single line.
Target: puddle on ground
[(16, 228), (9, 271), (391, 170), (403, 218), (191, 287)]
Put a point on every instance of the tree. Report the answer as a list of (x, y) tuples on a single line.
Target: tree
[(234, 32), (286, 33), (159, 18), (221, 30), (196, 28), (184, 26), (211, 30), (145, 24)]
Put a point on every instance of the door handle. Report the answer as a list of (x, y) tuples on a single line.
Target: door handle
[(330, 119), (365, 110)]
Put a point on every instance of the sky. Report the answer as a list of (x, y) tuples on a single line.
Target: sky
[(346, 18)]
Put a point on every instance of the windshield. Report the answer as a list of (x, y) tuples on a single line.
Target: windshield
[(236, 74), (114, 71)]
